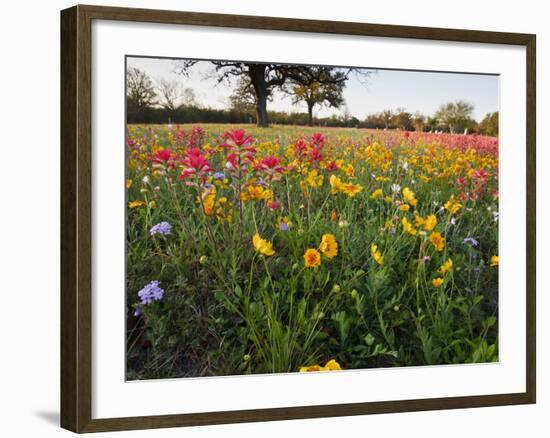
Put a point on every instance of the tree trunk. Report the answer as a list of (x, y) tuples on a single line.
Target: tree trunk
[(257, 77), (310, 114)]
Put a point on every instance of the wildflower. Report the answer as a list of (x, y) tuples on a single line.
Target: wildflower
[(336, 288), (377, 194), (163, 228), (314, 179), (408, 196), (332, 166), (418, 220), (271, 163), (331, 365), (223, 213), (494, 261), (388, 199), (194, 163), (470, 241), (273, 205), (351, 189), (262, 246), (203, 260), (312, 258), (446, 267), (219, 175), (237, 138), (336, 184), (208, 199), (284, 223), (135, 204), (129, 183), (161, 156), (151, 292), (349, 170), (452, 206), (408, 227), (437, 240), (329, 246), (333, 216), (430, 222), (376, 255), (343, 224), (395, 188), (256, 192), (404, 207), (437, 281)]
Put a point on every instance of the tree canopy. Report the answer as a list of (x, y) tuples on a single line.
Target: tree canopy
[(264, 78)]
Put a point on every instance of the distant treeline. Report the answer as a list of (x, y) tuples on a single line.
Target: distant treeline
[(195, 114), (384, 120)]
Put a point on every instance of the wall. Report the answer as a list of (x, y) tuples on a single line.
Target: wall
[(29, 218)]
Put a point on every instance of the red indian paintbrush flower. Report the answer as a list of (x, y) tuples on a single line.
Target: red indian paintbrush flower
[(318, 140), (161, 156), (270, 163), (237, 138), (194, 163)]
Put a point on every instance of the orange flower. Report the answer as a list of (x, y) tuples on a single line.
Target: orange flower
[(331, 365), (437, 240), (312, 258)]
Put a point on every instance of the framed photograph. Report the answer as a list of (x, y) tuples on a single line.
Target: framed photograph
[(269, 219)]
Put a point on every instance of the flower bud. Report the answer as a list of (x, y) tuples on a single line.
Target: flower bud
[(203, 260), (336, 288)]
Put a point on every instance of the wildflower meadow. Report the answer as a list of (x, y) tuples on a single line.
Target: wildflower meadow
[(289, 249)]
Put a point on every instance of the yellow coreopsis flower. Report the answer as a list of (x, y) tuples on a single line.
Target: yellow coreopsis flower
[(446, 267), (437, 281), (336, 184), (408, 196), (351, 189), (418, 220), (452, 206), (376, 255), (331, 365), (404, 207), (494, 261), (408, 227), (135, 204), (377, 194), (349, 170), (312, 258), (256, 193), (430, 222), (329, 246), (314, 179), (437, 240), (262, 246)]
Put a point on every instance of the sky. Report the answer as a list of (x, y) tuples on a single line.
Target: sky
[(384, 89)]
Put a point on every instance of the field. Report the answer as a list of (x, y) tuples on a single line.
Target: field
[(266, 250)]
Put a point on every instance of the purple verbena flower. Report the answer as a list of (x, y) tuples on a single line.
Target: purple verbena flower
[(219, 175), (283, 226), (470, 241), (151, 292), (163, 228)]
